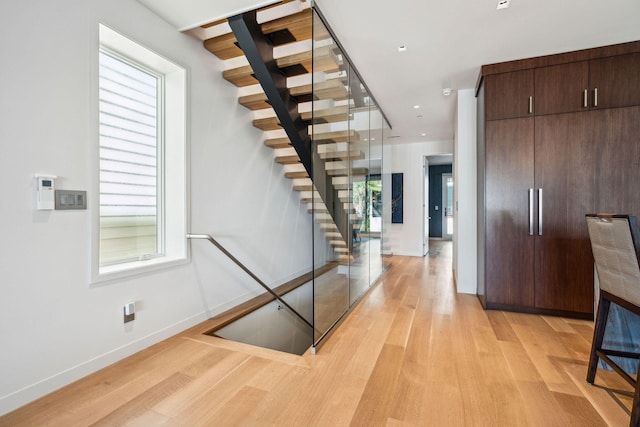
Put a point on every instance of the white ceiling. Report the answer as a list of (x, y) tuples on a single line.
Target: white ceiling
[(447, 42)]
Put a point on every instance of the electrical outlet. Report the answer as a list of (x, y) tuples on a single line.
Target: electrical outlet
[(129, 311)]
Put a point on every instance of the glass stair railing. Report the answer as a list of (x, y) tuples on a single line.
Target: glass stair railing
[(327, 133)]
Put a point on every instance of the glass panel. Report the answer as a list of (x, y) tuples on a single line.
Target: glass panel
[(375, 193), (386, 192), (349, 187), (329, 132), (359, 211)]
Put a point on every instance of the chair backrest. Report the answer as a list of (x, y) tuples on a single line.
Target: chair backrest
[(614, 241)]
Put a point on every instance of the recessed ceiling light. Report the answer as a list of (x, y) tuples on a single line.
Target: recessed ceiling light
[(416, 106), (423, 134), (503, 4), (402, 48)]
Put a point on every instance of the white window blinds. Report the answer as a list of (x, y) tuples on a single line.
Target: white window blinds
[(129, 161)]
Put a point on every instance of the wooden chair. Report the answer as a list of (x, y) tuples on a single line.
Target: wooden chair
[(615, 243)]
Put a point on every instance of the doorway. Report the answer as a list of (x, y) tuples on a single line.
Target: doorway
[(440, 210), (426, 218), (447, 206)]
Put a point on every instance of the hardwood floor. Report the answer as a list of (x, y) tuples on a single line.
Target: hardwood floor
[(412, 353)]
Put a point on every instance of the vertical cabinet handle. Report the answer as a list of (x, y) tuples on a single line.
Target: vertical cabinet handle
[(531, 212), (531, 105), (539, 211), (584, 99), (595, 97)]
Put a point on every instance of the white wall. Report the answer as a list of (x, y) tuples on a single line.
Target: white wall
[(55, 326), (406, 239), (464, 169)]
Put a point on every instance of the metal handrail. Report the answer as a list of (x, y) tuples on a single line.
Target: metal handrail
[(249, 272)]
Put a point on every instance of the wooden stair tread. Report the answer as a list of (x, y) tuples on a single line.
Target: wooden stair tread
[(267, 123), (346, 171), (300, 25), (328, 89), (256, 101), (324, 221), (214, 23), (316, 60), (310, 200), (288, 159), (329, 226), (321, 59), (240, 76), (223, 46), (342, 155), (296, 174), (278, 142), (333, 234), (331, 115), (336, 136), (303, 187)]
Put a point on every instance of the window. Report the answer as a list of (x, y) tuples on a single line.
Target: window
[(141, 220), (130, 161)]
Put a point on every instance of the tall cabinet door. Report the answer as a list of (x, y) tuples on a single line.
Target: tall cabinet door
[(508, 243), (565, 157), (617, 142)]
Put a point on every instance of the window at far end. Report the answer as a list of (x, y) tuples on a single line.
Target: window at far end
[(141, 222)]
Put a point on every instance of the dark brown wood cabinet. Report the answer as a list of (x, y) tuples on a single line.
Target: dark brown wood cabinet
[(617, 165), (542, 169), (609, 82), (561, 88), (564, 163), (615, 81), (509, 95), (509, 183)]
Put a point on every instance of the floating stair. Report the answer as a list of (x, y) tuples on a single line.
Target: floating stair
[(278, 142), (295, 27), (267, 123), (327, 115), (291, 35), (321, 59)]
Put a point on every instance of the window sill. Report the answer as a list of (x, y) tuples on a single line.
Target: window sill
[(135, 268)]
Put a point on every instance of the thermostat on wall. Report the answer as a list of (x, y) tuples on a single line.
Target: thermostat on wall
[(45, 192)]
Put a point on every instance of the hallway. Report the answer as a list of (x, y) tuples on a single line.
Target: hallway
[(412, 353)]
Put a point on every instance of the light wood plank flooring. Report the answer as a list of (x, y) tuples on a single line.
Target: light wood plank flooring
[(412, 353)]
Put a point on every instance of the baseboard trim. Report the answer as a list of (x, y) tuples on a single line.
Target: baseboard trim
[(407, 253)]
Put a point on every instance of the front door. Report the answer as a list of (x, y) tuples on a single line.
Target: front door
[(447, 203)]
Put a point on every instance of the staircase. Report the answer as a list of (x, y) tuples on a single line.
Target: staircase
[(303, 70)]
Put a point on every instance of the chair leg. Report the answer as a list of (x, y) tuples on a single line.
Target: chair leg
[(598, 336)]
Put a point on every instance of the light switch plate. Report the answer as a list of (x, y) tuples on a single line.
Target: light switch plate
[(69, 199)]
